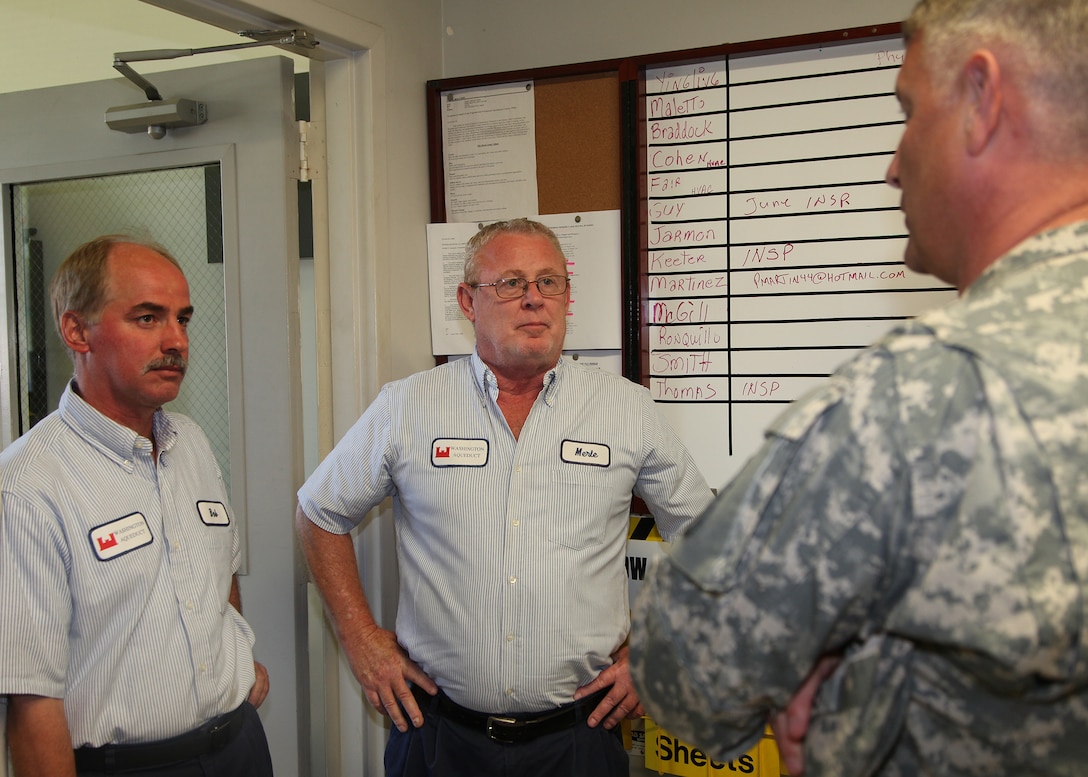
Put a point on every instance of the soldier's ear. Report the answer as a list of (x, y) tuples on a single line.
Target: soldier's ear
[(984, 90)]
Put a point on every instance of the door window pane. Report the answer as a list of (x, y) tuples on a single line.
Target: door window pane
[(179, 208)]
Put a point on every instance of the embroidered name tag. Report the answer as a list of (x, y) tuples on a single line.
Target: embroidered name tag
[(452, 452), (593, 453), (213, 513), (120, 536)]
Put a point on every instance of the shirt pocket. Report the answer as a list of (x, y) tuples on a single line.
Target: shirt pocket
[(586, 501)]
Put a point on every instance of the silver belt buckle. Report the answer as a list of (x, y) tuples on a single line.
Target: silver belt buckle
[(497, 726)]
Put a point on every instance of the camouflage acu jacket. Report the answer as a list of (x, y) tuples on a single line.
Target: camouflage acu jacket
[(925, 512)]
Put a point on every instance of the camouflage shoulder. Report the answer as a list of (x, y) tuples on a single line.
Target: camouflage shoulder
[(861, 377)]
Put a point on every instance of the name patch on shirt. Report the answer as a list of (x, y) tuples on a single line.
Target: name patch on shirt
[(453, 452), (213, 513), (593, 453), (120, 536)]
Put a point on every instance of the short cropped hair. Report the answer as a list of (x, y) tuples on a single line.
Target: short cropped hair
[(79, 284), (1043, 40), (511, 227)]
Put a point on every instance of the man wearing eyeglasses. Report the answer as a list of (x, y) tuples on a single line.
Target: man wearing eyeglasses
[(511, 473)]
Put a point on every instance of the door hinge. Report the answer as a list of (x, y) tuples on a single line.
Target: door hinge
[(311, 150), (303, 157)]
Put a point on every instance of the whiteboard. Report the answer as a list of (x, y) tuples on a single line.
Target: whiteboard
[(772, 245)]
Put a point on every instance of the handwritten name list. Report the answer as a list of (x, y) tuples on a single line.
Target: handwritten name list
[(774, 246)]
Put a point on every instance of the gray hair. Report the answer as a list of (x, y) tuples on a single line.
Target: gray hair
[(1044, 42), (511, 227)]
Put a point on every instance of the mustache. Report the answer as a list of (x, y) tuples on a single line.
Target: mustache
[(172, 361)]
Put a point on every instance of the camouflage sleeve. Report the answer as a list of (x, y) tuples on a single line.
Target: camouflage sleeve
[(782, 568)]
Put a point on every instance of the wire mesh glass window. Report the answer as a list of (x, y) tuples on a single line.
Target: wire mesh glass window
[(179, 208)]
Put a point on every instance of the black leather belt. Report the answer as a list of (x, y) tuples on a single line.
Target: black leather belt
[(212, 737), (510, 728)]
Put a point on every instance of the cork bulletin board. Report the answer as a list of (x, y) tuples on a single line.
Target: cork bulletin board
[(578, 135)]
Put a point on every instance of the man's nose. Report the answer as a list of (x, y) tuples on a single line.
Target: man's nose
[(891, 177), (532, 296), (175, 337)]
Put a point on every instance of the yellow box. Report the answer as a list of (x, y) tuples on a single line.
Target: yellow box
[(668, 755)]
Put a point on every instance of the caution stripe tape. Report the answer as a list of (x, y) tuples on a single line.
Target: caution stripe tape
[(643, 528)]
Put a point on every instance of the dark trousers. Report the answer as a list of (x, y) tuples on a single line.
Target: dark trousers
[(246, 756), (442, 748)]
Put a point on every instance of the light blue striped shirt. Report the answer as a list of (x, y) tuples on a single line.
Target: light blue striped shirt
[(114, 577), (513, 591)]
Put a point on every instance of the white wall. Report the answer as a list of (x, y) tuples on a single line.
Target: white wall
[(483, 36), (413, 55)]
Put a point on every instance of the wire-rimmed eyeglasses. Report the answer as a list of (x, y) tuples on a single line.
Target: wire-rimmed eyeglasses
[(512, 288)]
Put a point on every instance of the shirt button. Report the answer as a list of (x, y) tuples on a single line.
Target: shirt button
[(517, 469), (516, 522), (513, 579), (509, 692), (509, 637), (189, 605)]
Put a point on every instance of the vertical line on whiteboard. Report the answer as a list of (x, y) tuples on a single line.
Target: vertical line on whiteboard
[(729, 244), (630, 259)]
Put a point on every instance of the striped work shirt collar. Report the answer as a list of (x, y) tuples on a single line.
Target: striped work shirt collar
[(488, 383), (117, 442)]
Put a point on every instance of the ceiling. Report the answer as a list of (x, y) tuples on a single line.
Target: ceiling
[(73, 41)]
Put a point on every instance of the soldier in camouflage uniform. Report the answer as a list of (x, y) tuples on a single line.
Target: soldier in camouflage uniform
[(924, 515)]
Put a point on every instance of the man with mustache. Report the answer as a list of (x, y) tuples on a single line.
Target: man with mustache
[(511, 473), (122, 644), (913, 535)]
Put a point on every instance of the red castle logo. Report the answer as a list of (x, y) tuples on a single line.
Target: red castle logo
[(441, 453), (105, 543)]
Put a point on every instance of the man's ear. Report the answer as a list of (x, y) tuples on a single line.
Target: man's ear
[(983, 95), (74, 332), (466, 302)]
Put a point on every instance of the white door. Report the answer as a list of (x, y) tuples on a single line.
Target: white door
[(58, 157)]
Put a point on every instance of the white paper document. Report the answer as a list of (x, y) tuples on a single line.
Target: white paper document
[(591, 243), (489, 152)]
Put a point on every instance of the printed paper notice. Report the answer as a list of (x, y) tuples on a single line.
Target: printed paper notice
[(591, 243), (489, 144)]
